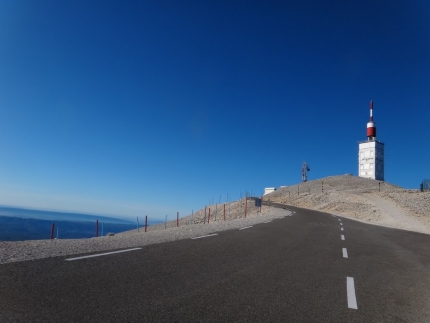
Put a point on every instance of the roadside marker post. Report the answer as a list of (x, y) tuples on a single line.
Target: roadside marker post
[(165, 223), (177, 219), (146, 222), (224, 212), (52, 230), (209, 216), (246, 205), (97, 228), (137, 221)]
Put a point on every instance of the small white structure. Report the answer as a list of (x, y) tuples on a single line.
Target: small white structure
[(371, 153), (268, 190)]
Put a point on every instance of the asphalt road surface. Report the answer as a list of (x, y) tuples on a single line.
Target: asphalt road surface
[(299, 268)]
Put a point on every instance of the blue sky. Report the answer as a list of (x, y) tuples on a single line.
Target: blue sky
[(130, 108)]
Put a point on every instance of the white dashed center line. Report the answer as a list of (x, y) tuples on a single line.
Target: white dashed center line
[(342, 237), (341, 229), (345, 253), (350, 290), (245, 227), (209, 235), (341, 223), (339, 219), (102, 254)]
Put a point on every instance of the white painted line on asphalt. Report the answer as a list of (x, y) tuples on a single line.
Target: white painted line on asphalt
[(350, 290), (208, 235), (342, 237), (267, 221), (341, 223), (345, 253), (102, 254), (341, 229), (245, 227), (339, 219)]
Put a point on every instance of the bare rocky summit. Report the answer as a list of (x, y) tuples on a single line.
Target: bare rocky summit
[(361, 199)]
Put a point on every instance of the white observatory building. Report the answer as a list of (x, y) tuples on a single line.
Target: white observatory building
[(371, 153)]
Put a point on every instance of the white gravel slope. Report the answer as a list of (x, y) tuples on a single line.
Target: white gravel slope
[(361, 199), (36, 249)]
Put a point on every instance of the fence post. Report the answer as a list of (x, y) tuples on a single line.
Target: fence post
[(246, 204), (97, 228), (209, 216), (379, 186), (177, 219), (322, 187), (146, 222), (224, 211), (52, 230), (298, 190)]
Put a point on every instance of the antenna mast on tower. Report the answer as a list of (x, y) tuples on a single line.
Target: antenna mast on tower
[(305, 169)]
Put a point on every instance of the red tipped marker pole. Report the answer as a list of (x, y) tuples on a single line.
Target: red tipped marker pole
[(146, 222), (52, 230)]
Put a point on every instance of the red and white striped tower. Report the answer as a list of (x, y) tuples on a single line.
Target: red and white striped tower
[(371, 126), (371, 153)]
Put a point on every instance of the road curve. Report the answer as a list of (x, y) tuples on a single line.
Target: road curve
[(304, 267)]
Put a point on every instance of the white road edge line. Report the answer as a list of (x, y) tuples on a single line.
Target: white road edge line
[(208, 235), (345, 253), (102, 254), (267, 221), (342, 237), (350, 290), (245, 227)]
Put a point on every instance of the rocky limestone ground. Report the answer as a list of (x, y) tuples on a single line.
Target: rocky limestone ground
[(350, 196), (361, 199)]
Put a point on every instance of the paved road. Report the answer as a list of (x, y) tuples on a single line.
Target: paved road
[(293, 269)]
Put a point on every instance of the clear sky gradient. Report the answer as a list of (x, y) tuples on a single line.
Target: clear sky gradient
[(130, 108)]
